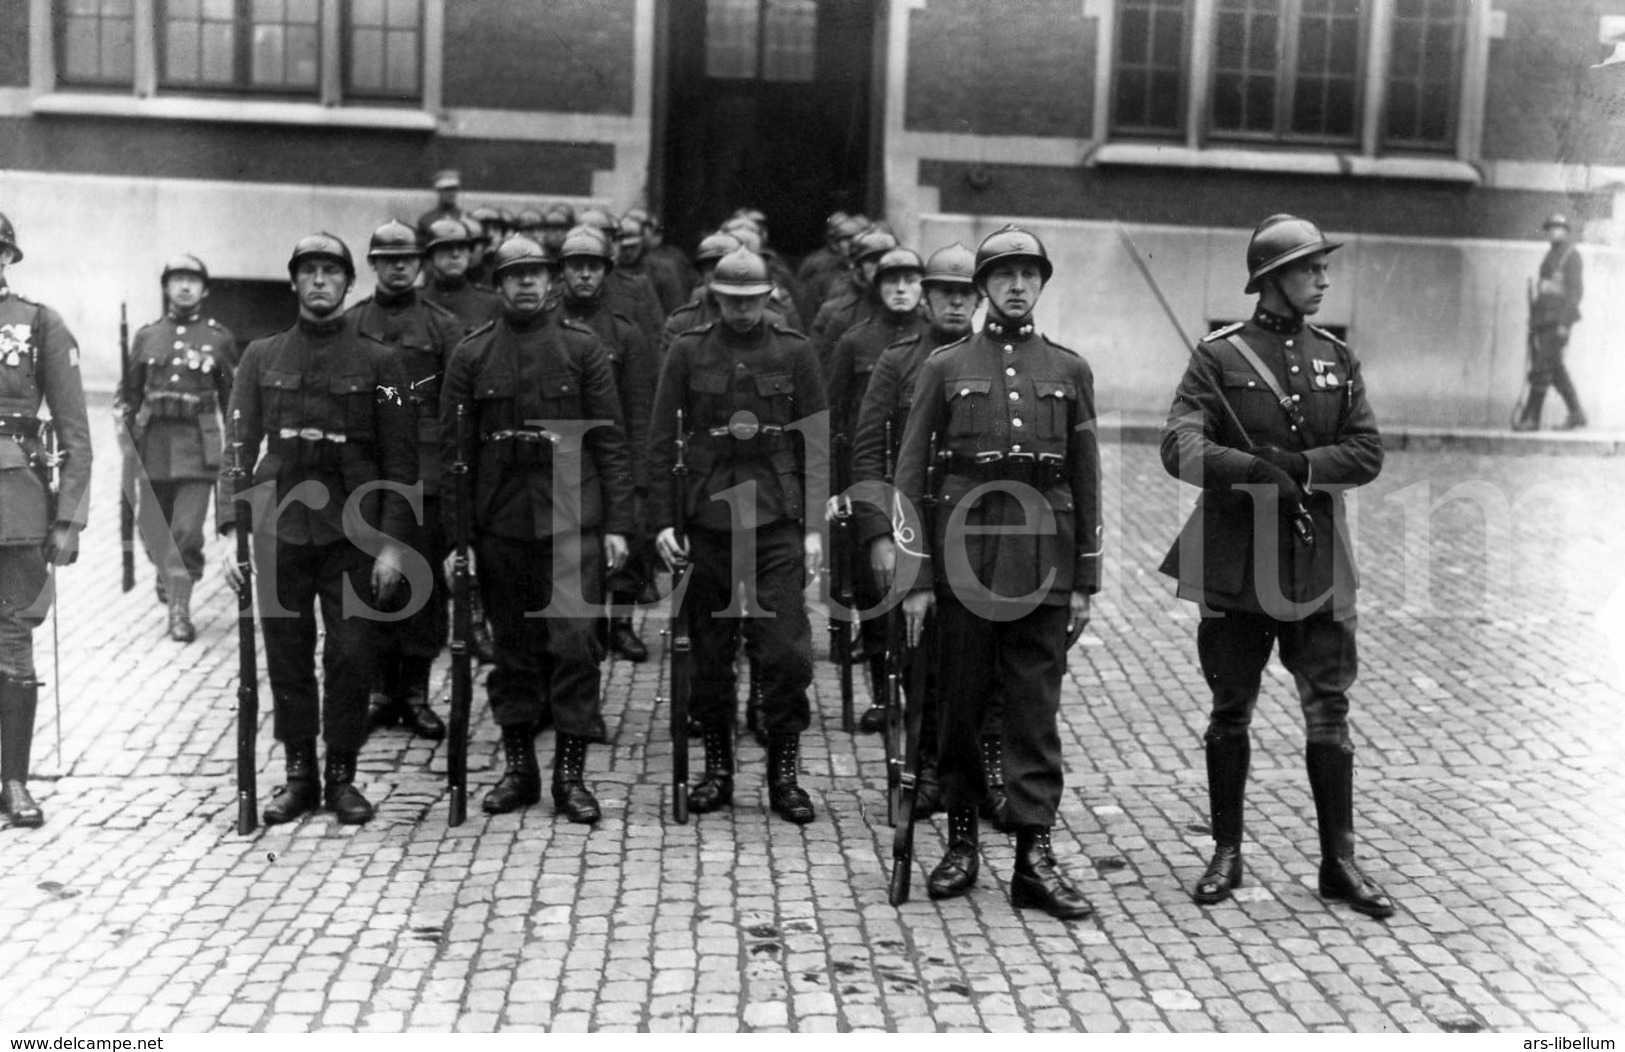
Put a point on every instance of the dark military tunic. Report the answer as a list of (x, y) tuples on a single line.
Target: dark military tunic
[(324, 402), (1302, 594), (633, 294), (837, 315), (39, 363), (1017, 531), (741, 393), (180, 384), (817, 273), (472, 304), (701, 310), (552, 474), (421, 335)]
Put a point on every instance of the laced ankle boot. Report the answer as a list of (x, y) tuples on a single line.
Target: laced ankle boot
[(956, 873), (571, 797), (784, 793), (1038, 882), (339, 791), (416, 711), (715, 789), (303, 792), (521, 781)]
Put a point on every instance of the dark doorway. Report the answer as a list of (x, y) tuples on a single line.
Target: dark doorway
[(768, 106)]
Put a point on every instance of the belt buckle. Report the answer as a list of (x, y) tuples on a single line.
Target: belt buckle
[(1025, 458), (1051, 458), (988, 456), (309, 434)]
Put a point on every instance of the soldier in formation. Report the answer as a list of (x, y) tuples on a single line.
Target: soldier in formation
[(44, 487), (180, 378)]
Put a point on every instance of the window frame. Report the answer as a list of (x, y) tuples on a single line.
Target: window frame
[(60, 17), (382, 96), (242, 59)]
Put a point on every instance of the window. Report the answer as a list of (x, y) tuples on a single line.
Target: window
[(384, 48), (774, 40), (260, 45), (95, 41), (1290, 72)]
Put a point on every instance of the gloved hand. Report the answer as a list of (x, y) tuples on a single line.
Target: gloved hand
[(1294, 464), (1288, 493), (61, 545)]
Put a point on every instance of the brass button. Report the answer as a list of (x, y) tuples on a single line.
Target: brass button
[(1016, 422), (1016, 448), (1010, 371), (1296, 370), (1015, 396)]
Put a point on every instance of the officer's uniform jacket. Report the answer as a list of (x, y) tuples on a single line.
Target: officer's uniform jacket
[(472, 305), (1007, 405), (739, 394), (1213, 558), (421, 334), (856, 355), (1559, 288), (890, 396), (39, 362), (180, 384), (630, 362), (523, 380), (324, 403)]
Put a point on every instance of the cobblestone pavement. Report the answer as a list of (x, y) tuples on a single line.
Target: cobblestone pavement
[(1490, 792)]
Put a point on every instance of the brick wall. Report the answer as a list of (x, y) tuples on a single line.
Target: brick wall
[(974, 69), (576, 59)]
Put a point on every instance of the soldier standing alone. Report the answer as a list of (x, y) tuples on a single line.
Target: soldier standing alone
[(1277, 405), (1013, 562), (1552, 314), (180, 382), (39, 362)]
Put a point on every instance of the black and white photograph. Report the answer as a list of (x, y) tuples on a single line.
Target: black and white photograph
[(812, 516)]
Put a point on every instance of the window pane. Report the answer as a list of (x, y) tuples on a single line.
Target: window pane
[(790, 40), (1324, 88), (731, 28), (305, 11), (1246, 66), (304, 51), (181, 52), (1148, 96), (1425, 73), (403, 64), (269, 55), (219, 52), (367, 12), (367, 59), (269, 11), (97, 41), (405, 14), (81, 41), (183, 9), (220, 10)]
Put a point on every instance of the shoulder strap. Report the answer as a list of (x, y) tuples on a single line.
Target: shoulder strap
[(1265, 373)]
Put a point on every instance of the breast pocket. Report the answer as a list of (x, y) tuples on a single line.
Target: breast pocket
[(1055, 400), (707, 394), (777, 394), (279, 398), (560, 397), (354, 396), (969, 413)]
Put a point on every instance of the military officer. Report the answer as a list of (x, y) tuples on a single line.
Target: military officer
[(951, 299), (447, 184), (39, 528), (897, 278), (450, 249), (1552, 314), (742, 383), (585, 260), (420, 336), (325, 401), (552, 480), (1271, 421), (180, 382), (1013, 560), (858, 300)]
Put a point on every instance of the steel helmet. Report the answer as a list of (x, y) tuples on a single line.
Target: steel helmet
[(322, 245), (585, 242), (1279, 240), (446, 231), (714, 246), (741, 273), (951, 265), (1556, 219), (899, 259), (8, 238), (520, 251), (185, 263), (528, 219), (394, 238), (835, 221), (746, 234), (596, 217), (559, 215), (488, 217), (639, 215), (1011, 242), (870, 243), (848, 227)]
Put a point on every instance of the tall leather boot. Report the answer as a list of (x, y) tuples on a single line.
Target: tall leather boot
[(956, 873), (1228, 758), (1331, 779), (414, 695), (784, 794), (715, 789), (1530, 419), (180, 611), (995, 804), (571, 797), (1038, 882), (303, 793), (340, 794), (521, 783), (19, 702)]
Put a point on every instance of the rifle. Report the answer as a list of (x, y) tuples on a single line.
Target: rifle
[(49, 468), (679, 644), (462, 659), (840, 585), (126, 503), (892, 738), (902, 845), (248, 679)]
